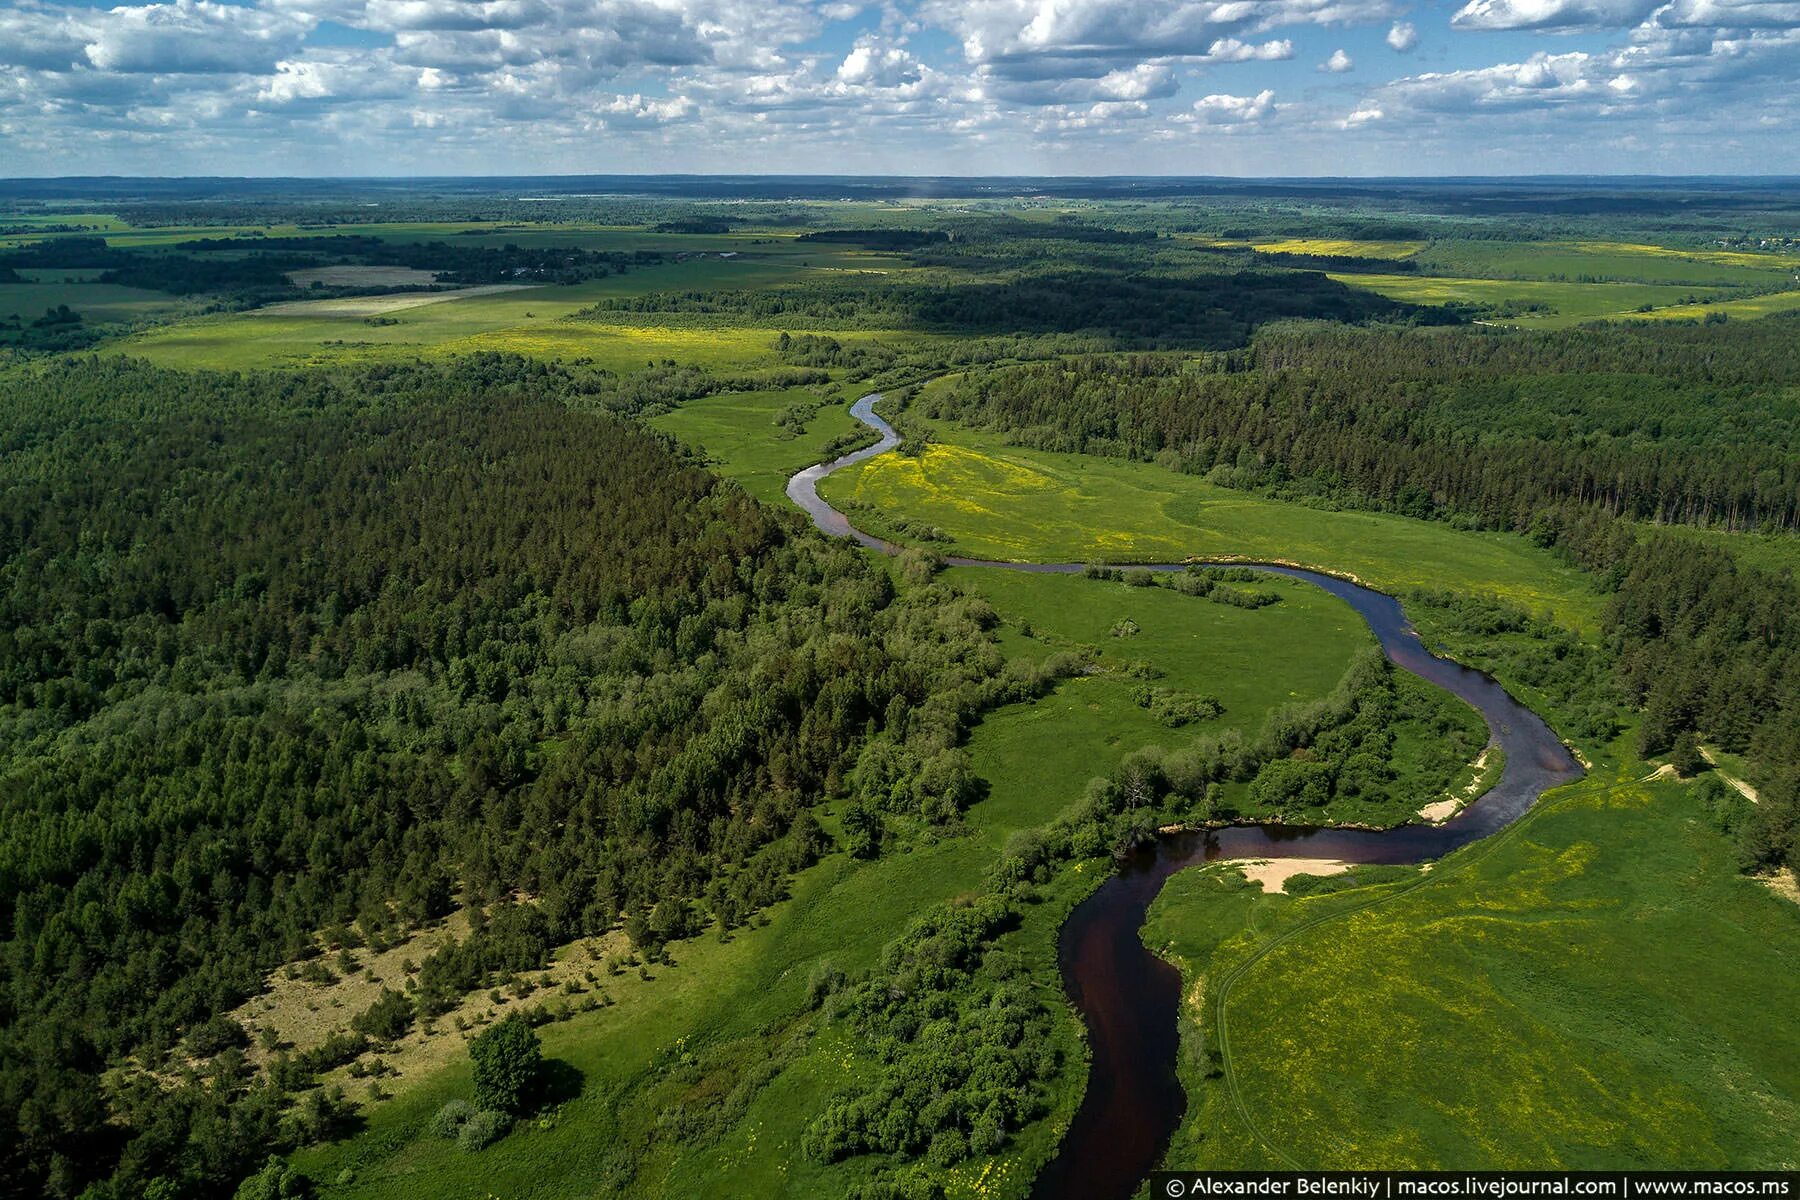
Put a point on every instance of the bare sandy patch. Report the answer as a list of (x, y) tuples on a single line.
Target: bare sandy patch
[(347, 275), (303, 1014), (1273, 873), (1196, 997), (374, 306), (1782, 883), (1442, 810)]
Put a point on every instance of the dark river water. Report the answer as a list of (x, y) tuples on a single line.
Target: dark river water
[(1127, 995)]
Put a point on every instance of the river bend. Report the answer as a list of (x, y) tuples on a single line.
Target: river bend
[(1128, 996)]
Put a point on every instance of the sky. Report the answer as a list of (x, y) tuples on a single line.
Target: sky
[(940, 87)]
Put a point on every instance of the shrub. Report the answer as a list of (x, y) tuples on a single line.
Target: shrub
[(483, 1129), (276, 1181), (448, 1121)]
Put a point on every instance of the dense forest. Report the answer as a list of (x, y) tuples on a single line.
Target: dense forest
[(286, 652)]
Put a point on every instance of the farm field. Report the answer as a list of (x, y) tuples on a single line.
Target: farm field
[(1006, 502), (1623, 978), (1745, 308)]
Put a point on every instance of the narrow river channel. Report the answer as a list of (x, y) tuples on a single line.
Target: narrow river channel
[(1126, 994)]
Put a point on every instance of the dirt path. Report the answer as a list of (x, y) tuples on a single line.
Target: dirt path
[(1748, 792)]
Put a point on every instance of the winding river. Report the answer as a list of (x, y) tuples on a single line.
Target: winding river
[(1127, 995)]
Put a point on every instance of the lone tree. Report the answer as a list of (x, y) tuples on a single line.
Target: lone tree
[(506, 1058)]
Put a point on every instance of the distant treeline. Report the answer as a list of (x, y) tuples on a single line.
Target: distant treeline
[(246, 271), (281, 653), (1196, 310), (879, 239)]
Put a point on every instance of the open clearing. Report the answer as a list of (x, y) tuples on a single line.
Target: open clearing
[(742, 441), (1604, 262), (1007, 502), (1747, 308), (523, 320)]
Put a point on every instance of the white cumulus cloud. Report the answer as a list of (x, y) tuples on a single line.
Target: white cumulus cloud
[(1234, 110)]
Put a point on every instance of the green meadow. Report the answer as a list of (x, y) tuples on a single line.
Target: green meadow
[(1595, 987), (1004, 502), (1342, 247), (742, 441)]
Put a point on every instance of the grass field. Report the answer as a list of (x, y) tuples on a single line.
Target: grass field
[(101, 303), (1594, 988), (1342, 247), (684, 1037), (1619, 262), (1554, 303), (526, 321), (742, 441), (1004, 502), (1746, 308)]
